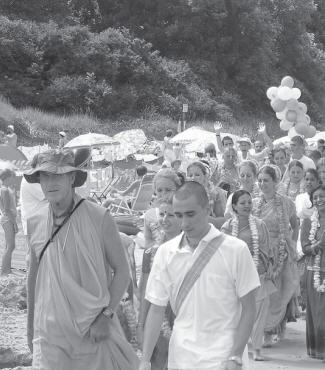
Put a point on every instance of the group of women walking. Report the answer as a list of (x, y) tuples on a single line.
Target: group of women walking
[(279, 211)]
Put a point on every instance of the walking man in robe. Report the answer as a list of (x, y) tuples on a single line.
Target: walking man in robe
[(77, 275), (209, 279)]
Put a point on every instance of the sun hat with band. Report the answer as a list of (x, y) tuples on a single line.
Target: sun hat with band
[(58, 162)]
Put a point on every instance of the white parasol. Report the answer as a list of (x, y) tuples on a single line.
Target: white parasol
[(91, 139), (196, 138)]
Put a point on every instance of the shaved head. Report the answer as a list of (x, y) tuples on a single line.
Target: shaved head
[(192, 188)]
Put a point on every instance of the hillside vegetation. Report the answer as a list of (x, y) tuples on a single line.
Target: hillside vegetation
[(110, 65)]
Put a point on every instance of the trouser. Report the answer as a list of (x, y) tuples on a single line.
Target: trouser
[(262, 307)]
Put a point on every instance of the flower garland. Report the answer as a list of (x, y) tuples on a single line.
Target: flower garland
[(320, 287), (282, 251), (293, 193), (254, 234)]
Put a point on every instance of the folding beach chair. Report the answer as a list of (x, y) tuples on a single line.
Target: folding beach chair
[(100, 195), (137, 205)]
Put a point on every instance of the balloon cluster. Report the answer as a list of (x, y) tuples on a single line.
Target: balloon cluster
[(288, 109)]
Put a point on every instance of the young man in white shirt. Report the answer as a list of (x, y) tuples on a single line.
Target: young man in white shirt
[(297, 147), (214, 322)]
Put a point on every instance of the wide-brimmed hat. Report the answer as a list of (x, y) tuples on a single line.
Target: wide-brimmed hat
[(58, 162), (62, 133), (245, 139)]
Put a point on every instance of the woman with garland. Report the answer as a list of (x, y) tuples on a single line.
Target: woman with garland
[(247, 177), (226, 176), (170, 228), (313, 245), (253, 231), (293, 184), (305, 209), (279, 214), (199, 172), (165, 183)]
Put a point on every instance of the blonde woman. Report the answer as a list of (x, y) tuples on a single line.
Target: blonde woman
[(165, 183)]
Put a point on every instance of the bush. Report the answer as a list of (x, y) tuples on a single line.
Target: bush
[(110, 74)]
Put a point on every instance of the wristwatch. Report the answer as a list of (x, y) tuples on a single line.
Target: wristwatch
[(236, 359), (108, 312)]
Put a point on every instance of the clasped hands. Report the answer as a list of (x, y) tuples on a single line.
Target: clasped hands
[(99, 329)]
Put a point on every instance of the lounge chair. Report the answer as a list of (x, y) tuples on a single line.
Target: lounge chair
[(137, 205), (100, 195)]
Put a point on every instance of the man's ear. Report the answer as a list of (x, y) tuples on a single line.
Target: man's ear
[(72, 177)]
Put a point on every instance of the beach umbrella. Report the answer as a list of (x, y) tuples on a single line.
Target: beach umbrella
[(195, 139), (91, 139)]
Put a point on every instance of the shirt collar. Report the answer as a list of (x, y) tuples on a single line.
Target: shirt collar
[(211, 234)]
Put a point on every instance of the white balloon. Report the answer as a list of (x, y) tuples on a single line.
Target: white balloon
[(296, 93), (272, 92), (281, 115), (285, 125), (287, 81), (284, 93)]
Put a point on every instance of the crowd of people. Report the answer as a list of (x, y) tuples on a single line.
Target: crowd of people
[(233, 251)]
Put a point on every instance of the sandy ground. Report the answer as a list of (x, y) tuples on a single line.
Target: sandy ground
[(289, 354)]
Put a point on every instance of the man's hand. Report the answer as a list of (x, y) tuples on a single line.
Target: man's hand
[(217, 127), (99, 329), (15, 228), (30, 341), (261, 127), (144, 365)]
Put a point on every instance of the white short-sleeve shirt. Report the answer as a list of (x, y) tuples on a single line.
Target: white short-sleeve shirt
[(205, 327)]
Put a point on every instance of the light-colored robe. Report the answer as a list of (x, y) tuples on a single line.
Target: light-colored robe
[(71, 291)]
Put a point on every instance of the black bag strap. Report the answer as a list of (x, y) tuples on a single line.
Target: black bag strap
[(59, 228)]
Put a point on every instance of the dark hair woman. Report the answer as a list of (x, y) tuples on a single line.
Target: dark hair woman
[(313, 245), (279, 214), (253, 231)]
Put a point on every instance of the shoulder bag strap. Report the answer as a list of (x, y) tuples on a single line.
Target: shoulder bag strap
[(195, 271), (58, 229)]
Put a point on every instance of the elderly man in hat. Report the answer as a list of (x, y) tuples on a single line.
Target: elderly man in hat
[(77, 275), (11, 137)]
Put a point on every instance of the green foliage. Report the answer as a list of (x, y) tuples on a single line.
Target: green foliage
[(114, 58)]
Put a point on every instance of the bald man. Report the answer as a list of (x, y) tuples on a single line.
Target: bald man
[(214, 313)]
